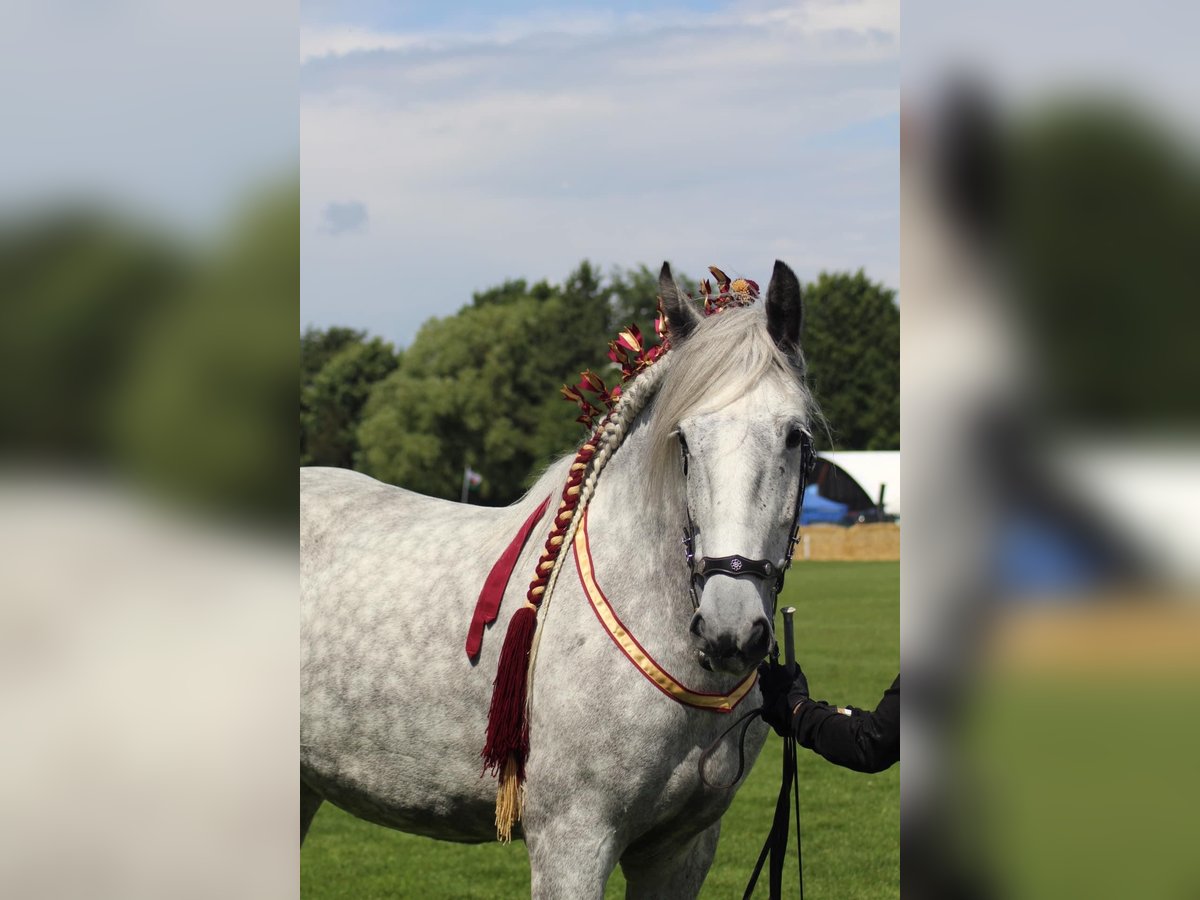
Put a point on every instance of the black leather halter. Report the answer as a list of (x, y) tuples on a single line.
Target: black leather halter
[(741, 566)]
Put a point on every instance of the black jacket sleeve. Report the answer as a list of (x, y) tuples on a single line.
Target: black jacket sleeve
[(863, 741)]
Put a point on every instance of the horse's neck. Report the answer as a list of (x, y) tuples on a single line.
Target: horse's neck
[(625, 514), (637, 550)]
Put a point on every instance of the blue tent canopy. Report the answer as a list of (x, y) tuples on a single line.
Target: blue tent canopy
[(819, 509)]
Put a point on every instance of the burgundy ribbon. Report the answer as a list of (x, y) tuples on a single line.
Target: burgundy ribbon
[(487, 607)]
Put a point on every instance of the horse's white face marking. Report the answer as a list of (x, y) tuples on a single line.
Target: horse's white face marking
[(744, 466)]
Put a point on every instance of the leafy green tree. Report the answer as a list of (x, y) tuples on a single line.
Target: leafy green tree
[(82, 292), (852, 346), (584, 295), (1100, 223), (318, 346), (332, 402), (509, 292), (480, 388), (205, 410)]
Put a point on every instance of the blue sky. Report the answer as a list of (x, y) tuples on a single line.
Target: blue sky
[(475, 142)]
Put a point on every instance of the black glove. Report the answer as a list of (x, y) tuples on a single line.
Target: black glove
[(781, 692)]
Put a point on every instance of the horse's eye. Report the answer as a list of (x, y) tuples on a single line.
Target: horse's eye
[(793, 439), (683, 444)]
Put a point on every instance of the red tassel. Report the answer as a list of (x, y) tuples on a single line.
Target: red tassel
[(508, 728), (507, 732)]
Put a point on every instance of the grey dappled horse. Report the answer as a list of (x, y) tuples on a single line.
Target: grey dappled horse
[(393, 714)]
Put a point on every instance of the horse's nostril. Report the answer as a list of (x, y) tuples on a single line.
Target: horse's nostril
[(760, 637), (697, 626), (723, 647)]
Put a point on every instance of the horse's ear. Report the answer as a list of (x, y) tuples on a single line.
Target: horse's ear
[(785, 308), (681, 314)]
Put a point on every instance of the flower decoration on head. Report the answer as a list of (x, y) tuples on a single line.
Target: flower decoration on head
[(598, 404), (632, 353), (729, 294)]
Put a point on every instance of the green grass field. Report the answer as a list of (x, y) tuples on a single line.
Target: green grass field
[(848, 640)]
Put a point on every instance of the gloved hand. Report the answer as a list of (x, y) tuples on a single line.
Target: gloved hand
[(781, 692)]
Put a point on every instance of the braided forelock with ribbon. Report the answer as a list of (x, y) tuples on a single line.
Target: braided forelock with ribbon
[(507, 746)]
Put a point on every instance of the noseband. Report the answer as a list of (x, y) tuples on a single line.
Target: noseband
[(737, 566)]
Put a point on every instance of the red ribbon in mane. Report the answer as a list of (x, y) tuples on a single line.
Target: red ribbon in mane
[(487, 607)]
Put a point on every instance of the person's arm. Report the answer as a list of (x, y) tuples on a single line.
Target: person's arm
[(865, 741)]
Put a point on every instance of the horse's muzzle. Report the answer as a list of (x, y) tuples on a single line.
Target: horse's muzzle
[(726, 652)]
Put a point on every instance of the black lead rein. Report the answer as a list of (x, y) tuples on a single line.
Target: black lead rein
[(777, 838), (776, 843)]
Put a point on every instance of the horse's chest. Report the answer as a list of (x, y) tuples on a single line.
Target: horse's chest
[(665, 793), (687, 796), (672, 809)]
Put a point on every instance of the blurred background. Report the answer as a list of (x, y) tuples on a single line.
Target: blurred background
[(149, 244), (488, 191), (148, 315), (1050, 627)]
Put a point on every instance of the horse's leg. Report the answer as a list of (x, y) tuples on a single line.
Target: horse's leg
[(570, 859), (677, 874), (310, 802)]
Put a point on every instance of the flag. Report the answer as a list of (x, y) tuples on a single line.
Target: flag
[(474, 479)]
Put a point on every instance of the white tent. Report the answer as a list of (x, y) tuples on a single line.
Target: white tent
[(872, 469)]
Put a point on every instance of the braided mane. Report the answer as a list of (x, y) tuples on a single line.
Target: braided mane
[(507, 744)]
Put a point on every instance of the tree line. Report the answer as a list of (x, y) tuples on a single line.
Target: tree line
[(479, 388), (169, 360), (153, 358)]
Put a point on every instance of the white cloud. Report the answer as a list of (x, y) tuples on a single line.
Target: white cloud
[(730, 138), (832, 15), (316, 42)]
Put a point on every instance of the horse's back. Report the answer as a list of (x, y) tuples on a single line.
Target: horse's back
[(392, 712), (334, 500)]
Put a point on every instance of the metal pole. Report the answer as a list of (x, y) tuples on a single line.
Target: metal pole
[(466, 485)]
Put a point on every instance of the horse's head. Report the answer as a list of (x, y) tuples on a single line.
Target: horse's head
[(733, 420)]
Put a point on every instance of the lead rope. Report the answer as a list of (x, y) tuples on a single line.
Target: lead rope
[(777, 838)]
